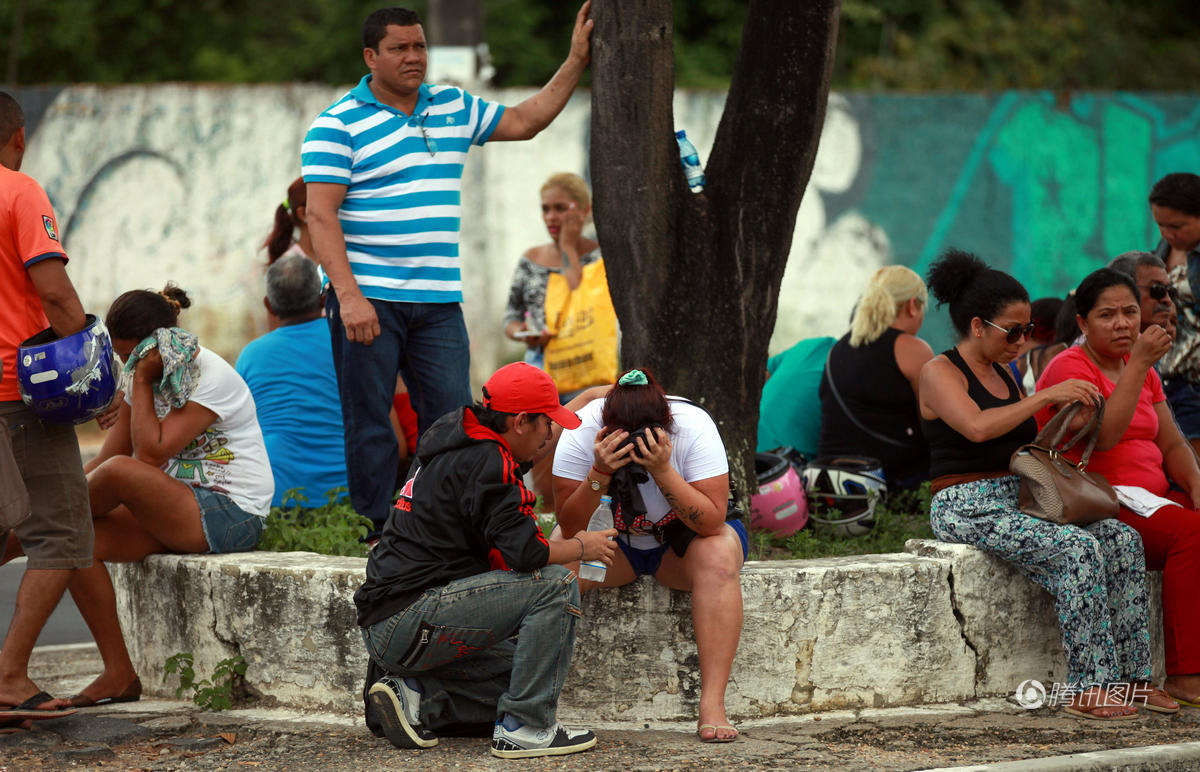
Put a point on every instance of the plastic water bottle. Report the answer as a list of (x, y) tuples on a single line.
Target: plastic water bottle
[(602, 520), (691, 162)]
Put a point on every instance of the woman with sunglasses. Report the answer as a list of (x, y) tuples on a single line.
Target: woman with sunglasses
[(1175, 207), (974, 417), (1140, 446), (869, 388)]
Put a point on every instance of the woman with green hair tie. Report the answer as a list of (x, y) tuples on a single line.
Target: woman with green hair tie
[(662, 461)]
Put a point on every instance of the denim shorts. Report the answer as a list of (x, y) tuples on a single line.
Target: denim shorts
[(1184, 399), (227, 527), (646, 562)]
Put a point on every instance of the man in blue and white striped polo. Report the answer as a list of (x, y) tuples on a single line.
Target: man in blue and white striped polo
[(383, 167)]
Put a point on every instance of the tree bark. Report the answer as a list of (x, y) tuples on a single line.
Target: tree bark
[(695, 278)]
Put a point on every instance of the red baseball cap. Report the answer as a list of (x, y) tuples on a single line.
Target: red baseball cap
[(523, 388)]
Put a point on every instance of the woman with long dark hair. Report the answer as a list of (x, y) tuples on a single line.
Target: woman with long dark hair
[(289, 234)]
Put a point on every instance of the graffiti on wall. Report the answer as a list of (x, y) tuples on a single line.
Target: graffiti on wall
[(158, 183)]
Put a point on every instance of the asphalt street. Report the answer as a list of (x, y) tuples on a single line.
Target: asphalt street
[(64, 626)]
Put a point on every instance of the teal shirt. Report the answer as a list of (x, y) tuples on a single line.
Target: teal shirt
[(790, 410)]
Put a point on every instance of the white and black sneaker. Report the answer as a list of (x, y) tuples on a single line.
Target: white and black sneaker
[(526, 741), (397, 706)]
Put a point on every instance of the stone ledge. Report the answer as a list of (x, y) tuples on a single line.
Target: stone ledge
[(940, 623)]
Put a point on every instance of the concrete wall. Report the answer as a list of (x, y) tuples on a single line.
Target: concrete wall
[(942, 623), (180, 182)]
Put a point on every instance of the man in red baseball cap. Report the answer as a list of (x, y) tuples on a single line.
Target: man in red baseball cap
[(461, 566)]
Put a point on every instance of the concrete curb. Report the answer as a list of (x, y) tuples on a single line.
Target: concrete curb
[(941, 623), (1147, 758)]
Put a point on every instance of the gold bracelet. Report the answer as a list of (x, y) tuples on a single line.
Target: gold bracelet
[(576, 538)]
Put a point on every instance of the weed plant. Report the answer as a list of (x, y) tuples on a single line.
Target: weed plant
[(216, 693), (333, 528)]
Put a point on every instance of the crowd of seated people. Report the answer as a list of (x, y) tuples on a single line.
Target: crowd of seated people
[(198, 452), (1015, 364)]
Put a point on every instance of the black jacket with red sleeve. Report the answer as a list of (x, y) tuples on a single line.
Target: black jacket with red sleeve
[(463, 511)]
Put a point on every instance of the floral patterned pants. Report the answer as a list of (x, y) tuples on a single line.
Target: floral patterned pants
[(1096, 573)]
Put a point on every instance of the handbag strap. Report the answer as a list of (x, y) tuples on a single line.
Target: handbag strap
[(833, 388), (1097, 421), (1051, 435)]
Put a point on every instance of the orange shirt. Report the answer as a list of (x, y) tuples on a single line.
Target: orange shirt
[(28, 234)]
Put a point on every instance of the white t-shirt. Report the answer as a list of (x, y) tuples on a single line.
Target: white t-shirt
[(230, 456), (697, 453)]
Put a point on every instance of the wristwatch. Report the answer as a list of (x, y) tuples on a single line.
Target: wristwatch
[(595, 485)]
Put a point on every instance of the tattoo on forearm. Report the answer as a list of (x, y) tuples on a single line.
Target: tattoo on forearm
[(690, 514)]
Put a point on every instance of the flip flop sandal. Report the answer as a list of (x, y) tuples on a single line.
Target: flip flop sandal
[(1090, 713), (1186, 703), (716, 738), (131, 693), (1145, 703), (29, 710)]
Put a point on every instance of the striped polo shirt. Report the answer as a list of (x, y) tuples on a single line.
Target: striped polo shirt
[(403, 178)]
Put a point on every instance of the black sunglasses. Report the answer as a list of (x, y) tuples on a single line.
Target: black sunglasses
[(1158, 291), (1013, 335)]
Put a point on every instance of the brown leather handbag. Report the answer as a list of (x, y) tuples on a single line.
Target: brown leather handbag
[(1055, 489)]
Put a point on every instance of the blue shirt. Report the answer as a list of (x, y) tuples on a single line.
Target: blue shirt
[(290, 374), (403, 178)]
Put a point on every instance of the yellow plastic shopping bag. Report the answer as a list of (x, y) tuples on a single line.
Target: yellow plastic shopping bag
[(583, 351)]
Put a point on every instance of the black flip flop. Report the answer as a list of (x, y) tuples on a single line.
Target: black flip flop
[(29, 710)]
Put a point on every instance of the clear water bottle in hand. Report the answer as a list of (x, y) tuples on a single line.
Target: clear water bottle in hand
[(602, 520), (691, 162)]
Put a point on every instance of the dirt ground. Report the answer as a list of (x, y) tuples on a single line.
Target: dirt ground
[(178, 738)]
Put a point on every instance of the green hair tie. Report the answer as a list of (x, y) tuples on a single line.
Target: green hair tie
[(287, 207), (634, 378)]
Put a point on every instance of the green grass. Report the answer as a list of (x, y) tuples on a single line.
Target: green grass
[(900, 517), (335, 529)]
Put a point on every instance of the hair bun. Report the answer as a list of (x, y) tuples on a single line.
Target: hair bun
[(952, 273)]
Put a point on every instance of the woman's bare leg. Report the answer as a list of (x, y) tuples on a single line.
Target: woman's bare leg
[(138, 511), (710, 571)]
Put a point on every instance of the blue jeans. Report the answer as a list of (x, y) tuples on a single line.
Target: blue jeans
[(427, 344), (457, 640)]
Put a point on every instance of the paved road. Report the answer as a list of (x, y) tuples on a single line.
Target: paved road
[(64, 626)]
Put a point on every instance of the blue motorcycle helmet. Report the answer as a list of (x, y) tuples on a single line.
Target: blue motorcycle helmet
[(67, 380)]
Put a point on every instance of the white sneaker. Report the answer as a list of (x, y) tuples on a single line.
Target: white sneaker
[(397, 707), (527, 741)]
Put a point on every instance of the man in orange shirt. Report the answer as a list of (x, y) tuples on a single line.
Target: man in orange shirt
[(44, 508)]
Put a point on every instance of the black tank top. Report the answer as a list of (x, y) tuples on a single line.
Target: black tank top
[(952, 453), (873, 387)]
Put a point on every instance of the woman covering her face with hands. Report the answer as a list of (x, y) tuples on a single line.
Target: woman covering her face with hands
[(1140, 446), (662, 461)]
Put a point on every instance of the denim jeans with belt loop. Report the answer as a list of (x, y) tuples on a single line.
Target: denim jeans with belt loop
[(457, 641), (425, 343)]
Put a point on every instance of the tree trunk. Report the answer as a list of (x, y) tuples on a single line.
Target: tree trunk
[(695, 278)]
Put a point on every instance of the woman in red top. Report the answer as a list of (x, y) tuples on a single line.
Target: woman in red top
[(1140, 445)]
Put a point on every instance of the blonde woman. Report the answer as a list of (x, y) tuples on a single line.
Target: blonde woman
[(870, 386), (566, 207)]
